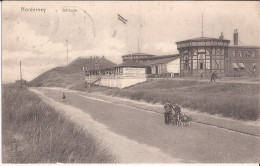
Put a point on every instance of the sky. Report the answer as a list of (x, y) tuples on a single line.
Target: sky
[(39, 39)]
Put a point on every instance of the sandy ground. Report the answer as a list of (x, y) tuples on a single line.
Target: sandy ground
[(159, 105), (127, 151)]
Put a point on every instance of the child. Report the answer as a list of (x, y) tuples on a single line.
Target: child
[(177, 111), (63, 96)]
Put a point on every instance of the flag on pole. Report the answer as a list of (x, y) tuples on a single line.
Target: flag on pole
[(122, 19)]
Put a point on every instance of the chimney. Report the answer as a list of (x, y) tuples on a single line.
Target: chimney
[(235, 37), (221, 36)]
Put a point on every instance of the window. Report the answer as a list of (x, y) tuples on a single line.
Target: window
[(233, 54), (218, 52), (201, 56), (247, 54), (254, 67), (186, 66), (201, 66), (240, 54), (235, 67), (207, 65), (253, 53), (207, 52), (241, 66), (194, 64)]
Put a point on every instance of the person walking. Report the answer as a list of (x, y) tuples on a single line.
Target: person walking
[(213, 77), (63, 96)]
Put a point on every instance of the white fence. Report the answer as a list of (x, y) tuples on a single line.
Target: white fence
[(119, 81)]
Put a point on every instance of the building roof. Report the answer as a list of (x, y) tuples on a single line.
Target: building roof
[(131, 63), (161, 57), (161, 61), (203, 39), (138, 54), (237, 46)]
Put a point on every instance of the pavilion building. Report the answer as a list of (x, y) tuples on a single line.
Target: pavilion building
[(202, 56)]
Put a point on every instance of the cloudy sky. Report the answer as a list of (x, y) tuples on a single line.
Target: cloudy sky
[(38, 39)]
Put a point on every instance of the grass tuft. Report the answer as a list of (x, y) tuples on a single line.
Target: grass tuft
[(34, 133)]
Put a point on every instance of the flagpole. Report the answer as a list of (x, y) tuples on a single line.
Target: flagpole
[(139, 34), (21, 73), (124, 21), (138, 42), (67, 52), (202, 25)]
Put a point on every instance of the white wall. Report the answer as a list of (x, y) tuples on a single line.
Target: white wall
[(130, 76), (120, 82), (174, 66), (129, 72)]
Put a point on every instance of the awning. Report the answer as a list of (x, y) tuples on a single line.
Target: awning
[(234, 66), (241, 65)]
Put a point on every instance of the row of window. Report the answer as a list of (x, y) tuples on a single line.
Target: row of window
[(204, 52), (201, 65), (241, 54), (203, 43)]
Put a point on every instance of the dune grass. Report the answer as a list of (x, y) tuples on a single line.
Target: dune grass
[(237, 101), (32, 132)]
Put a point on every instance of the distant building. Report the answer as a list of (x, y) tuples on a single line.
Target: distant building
[(158, 66), (162, 66), (109, 74), (98, 66), (24, 82), (130, 68)]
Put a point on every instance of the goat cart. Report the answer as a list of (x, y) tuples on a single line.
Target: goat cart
[(182, 120)]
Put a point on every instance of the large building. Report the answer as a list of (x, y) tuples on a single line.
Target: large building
[(204, 55)]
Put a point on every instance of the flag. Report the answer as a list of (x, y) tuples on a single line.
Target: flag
[(122, 19)]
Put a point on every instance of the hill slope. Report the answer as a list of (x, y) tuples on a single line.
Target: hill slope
[(69, 76)]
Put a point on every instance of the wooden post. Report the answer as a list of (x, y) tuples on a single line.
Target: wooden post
[(21, 73)]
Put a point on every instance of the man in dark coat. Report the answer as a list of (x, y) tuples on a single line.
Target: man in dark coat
[(213, 77), (167, 112)]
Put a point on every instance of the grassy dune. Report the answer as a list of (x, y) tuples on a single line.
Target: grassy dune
[(238, 101), (32, 132)]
